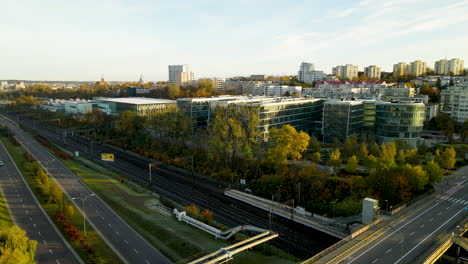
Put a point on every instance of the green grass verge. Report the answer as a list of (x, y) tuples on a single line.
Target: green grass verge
[(5, 218), (176, 240), (92, 237)]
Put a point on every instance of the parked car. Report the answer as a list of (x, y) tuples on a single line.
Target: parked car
[(1, 163)]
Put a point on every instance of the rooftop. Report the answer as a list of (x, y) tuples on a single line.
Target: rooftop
[(136, 100)]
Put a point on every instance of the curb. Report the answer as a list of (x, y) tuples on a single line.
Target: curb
[(43, 211)]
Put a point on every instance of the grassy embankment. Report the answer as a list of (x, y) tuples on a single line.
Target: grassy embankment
[(176, 240), (5, 218), (98, 245)]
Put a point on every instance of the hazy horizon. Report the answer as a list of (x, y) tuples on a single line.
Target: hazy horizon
[(79, 41)]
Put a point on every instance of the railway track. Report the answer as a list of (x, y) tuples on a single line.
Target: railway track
[(178, 185)]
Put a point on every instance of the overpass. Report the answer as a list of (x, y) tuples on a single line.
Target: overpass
[(412, 235)]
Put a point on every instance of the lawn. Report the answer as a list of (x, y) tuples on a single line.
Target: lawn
[(100, 246), (5, 218), (174, 239)]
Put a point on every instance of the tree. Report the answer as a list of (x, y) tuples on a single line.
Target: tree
[(314, 144), (363, 151), (206, 85), (173, 91), (335, 160), (418, 178), (70, 211), (447, 159), (15, 246), (352, 164), (286, 143), (434, 171), (316, 157), (388, 152)]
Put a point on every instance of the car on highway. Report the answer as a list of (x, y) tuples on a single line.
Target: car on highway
[(1, 163)]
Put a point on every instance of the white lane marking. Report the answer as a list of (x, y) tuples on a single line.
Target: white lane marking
[(135, 250), (34, 225), (23, 205), (109, 225), (44, 241), (30, 218), (401, 241), (21, 200), (147, 262), (430, 220), (388, 251), (39, 233), (422, 241), (58, 262), (27, 212), (439, 213), (117, 233), (50, 250), (407, 223), (375, 260), (466, 202), (447, 208), (421, 226), (126, 242), (411, 234)]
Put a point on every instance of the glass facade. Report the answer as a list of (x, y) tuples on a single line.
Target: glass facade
[(399, 121), (342, 119)]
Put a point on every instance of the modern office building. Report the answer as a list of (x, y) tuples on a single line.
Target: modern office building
[(308, 74), (401, 121), (372, 72), (141, 106), (417, 68), (400, 69), (402, 90), (137, 91), (304, 114), (342, 119), (454, 101), (78, 106), (347, 71), (369, 117), (180, 75)]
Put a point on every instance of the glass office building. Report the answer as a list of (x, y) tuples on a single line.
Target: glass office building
[(399, 121), (342, 119)]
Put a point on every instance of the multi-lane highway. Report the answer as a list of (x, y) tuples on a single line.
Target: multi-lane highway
[(404, 239), (180, 186), (26, 212), (126, 242)]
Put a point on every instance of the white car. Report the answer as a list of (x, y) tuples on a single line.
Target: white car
[(1, 163)]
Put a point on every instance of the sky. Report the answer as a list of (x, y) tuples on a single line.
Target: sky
[(80, 40)]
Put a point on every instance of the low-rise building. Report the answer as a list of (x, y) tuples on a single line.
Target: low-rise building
[(277, 90), (141, 106)]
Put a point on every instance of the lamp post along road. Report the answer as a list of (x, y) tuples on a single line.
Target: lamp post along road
[(47, 171), (84, 213)]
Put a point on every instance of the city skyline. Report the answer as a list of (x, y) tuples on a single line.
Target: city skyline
[(52, 40)]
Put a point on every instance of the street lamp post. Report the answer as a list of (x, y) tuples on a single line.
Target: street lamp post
[(387, 204), (334, 207), (149, 170), (84, 213)]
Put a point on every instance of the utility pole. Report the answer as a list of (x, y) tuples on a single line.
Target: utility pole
[(299, 200), (149, 171)]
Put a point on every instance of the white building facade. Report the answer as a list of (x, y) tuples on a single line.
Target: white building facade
[(347, 71), (454, 101), (372, 72), (308, 74)]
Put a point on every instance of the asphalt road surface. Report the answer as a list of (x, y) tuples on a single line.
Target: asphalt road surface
[(405, 238), (27, 214), (126, 242)]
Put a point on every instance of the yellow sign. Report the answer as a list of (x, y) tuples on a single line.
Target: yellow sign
[(107, 156)]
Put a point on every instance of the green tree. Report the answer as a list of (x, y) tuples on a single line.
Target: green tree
[(314, 144), (363, 151), (434, 171), (388, 152), (15, 247), (316, 157), (352, 164), (173, 91), (447, 158), (207, 85), (286, 143), (335, 160)]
